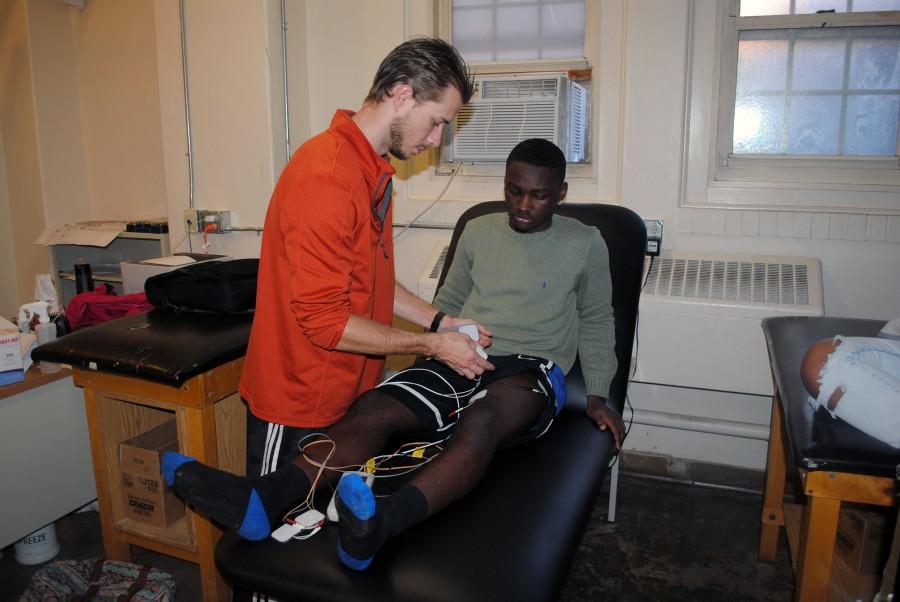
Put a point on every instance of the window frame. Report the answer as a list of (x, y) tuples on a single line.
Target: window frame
[(714, 176)]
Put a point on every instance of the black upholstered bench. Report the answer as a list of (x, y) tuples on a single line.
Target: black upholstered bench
[(513, 537)]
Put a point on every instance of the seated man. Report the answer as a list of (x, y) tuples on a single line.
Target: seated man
[(540, 283), (857, 379)]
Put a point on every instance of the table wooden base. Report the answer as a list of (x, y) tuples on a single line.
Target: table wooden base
[(211, 424), (825, 491)]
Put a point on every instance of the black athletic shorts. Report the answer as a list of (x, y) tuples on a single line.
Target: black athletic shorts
[(437, 395)]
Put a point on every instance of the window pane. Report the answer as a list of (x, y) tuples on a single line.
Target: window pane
[(814, 125), (832, 91), (818, 64), (759, 125), (866, 133), (753, 8), (506, 30), (870, 5), (805, 7), (762, 64), (873, 60), (518, 33), (474, 31), (562, 30)]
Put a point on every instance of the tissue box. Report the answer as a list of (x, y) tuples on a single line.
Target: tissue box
[(11, 366)]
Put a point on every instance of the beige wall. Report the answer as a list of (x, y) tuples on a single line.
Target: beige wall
[(54, 68), (22, 194), (118, 94)]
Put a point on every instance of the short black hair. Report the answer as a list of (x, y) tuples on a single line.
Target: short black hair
[(428, 65), (540, 153)]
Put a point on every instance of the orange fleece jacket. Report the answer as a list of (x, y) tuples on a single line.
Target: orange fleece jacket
[(321, 260)]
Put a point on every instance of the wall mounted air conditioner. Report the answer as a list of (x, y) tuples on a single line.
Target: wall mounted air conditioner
[(700, 314), (426, 286), (505, 110)]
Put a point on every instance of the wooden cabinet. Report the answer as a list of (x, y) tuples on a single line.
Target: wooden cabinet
[(211, 425), (104, 261)]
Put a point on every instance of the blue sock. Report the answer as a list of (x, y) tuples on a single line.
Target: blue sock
[(170, 463), (364, 524), (247, 505), (356, 509)]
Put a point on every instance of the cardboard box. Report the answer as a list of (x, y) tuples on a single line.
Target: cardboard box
[(11, 366), (861, 541), (147, 497)]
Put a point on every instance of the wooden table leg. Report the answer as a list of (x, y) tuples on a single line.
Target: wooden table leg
[(820, 519), (114, 544), (773, 500), (197, 438)]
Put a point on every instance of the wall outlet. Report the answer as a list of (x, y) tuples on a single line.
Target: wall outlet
[(204, 220), (654, 236)]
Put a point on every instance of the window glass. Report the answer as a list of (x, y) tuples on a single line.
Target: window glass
[(518, 30), (820, 91), (755, 8)]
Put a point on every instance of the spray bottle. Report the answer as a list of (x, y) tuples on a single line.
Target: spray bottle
[(45, 329)]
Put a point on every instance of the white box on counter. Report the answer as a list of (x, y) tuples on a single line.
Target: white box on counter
[(11, 364)]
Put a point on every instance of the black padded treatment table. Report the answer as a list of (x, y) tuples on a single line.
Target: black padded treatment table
[(513, 537), (832, 461), (138, 373)]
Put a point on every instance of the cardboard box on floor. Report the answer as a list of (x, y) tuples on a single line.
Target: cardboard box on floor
[(861, 541), (147, 497), (846, 584)]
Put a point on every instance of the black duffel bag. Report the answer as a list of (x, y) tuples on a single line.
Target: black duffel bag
[(209, 286)]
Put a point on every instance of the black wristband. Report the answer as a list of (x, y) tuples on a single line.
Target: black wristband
[(436, 322)]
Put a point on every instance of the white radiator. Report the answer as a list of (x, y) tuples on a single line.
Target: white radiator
[(426, 286), (700, 314)]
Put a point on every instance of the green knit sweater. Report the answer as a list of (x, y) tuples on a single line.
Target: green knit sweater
[(544, 293)]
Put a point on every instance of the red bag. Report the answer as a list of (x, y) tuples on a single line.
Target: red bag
[(101, 305)]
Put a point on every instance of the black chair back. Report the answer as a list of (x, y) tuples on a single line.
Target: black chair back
[(626, 239)]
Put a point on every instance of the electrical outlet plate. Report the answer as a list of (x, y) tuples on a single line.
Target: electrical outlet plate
[(654, 228), (204, 220), (654, 236)]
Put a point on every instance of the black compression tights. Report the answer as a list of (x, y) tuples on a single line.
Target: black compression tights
[(509, 409)]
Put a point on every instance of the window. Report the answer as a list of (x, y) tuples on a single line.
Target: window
[(518, 30), (808, 104), (537, 46)]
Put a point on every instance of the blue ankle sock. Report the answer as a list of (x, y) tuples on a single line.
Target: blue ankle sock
[(248, 505), (356, 509), (170, 463)]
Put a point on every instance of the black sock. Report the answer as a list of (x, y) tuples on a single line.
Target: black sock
[(361, 537), (250, 505)]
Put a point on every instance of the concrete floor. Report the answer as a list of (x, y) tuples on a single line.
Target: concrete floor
[(671, 541)]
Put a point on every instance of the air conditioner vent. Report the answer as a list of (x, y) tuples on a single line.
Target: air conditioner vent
[(740, 280), (519, 88)]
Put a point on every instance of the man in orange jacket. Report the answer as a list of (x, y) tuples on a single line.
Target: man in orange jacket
[(326, 291)]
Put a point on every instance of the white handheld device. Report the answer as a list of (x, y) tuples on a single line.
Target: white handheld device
[(472, 331)]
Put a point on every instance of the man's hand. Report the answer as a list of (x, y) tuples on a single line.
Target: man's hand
[(606, 417), (450, 323), (457, 350)]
